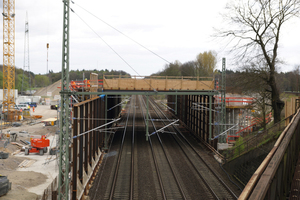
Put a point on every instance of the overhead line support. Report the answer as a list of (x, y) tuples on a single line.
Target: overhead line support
[(64, 137), (147, 119)]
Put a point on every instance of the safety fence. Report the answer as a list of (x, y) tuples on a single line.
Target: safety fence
[(255, 140), (273, 178)]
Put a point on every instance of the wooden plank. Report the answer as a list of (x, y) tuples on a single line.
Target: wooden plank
[(189, 85), (93, 83), (143, 84), (157, 84)]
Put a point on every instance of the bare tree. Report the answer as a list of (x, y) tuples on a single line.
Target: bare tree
[(253, 80), (255, 27)]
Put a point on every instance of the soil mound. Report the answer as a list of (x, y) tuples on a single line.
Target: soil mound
[(53, 88)]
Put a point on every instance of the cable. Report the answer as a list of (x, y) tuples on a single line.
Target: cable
[(111, 47), (123, 34)]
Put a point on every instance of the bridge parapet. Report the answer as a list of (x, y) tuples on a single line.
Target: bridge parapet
[(273, 178), (158, 83)]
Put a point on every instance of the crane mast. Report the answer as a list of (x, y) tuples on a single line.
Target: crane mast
[(8, 54)]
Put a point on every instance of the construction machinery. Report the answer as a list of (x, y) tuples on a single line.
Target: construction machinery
[(54, 104), (38, 145), (8, 54)]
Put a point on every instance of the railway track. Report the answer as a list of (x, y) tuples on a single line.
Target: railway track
[(213, 183), (122, 184), (164, 167), (170, 186)]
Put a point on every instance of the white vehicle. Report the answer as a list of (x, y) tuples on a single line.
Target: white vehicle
[(23, 106)]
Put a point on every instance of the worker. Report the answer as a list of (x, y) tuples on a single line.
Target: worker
[(33, 108)]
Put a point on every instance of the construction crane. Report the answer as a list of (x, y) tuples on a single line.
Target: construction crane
[(8, 54)]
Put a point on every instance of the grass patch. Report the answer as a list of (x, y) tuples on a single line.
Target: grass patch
[(240, 146)]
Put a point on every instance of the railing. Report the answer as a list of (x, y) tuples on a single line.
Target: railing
[(273, 178), (157, 83), (196, 78), (255, 140)]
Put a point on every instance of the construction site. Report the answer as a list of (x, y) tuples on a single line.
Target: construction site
[(195, 110), (60, 143), (120, 137)]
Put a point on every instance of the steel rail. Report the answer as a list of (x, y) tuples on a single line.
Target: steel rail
[(154, 158), (119, 156), (155, 108), (167, 158), (178, 131), (98, 182), (132, 154)]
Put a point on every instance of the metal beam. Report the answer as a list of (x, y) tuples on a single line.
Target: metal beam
[(147, 119), (123, 92), (105, 134), (176, 103), (64, 137), (210, 117), (166, 126), (222, 139)]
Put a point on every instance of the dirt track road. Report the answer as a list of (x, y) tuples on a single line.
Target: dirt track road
[(29, 182)]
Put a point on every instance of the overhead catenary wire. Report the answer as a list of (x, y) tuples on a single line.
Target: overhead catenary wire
[(94, 129), (223, 133), (123, 34), (110, 47), (94, 118), (167, 106), (119, 104)]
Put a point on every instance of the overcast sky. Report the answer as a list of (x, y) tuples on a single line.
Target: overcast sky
[(174, 30)]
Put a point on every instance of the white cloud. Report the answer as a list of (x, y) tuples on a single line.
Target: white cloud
[(175, 30)]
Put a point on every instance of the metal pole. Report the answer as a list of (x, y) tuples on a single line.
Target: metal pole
[(105, 135), (82, 97), (147, 118), (223, 101), (210, 116), (233, 121), (64, 136), (47, 68), (176, 103)]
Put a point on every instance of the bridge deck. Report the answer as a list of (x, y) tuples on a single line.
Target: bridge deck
[(159, 83)]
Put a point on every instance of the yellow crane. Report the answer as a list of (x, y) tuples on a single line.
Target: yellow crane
[(8, 54)]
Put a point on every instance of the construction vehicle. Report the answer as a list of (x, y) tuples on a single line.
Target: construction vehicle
[(54, 104), (38, 145)]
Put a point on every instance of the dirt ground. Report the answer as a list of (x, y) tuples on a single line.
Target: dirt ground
[(30, 181)]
